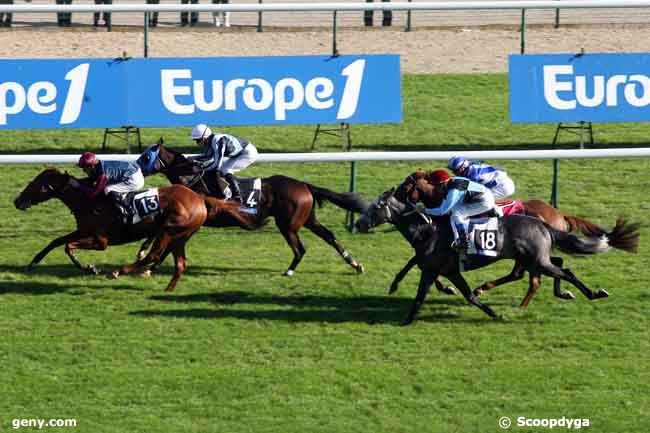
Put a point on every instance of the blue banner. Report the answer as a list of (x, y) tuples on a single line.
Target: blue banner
[(580, 87), (166, 92)]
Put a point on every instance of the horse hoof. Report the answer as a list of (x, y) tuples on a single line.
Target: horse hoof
[(450, 291), (477, 292), (567, 295), (169, 289), (360, 269), (406, 322), (29, 267), (602, 293), (289, 273), (113, 275), (141, 256), (393, 288), (91, 269), (146, 274)]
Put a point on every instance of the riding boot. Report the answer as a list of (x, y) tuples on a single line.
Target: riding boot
[(121, 207), (234, 187), (462, 241)]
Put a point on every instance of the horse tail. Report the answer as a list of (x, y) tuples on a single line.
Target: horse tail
[(222, 213), (350, 201), (623, 237), (585, 227), (572, 244)]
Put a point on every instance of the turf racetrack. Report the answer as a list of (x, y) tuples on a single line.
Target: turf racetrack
[(240, 348)]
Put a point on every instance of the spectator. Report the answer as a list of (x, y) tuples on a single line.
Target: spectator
[(388, 16), (64, 19), (194, 16), (106, 16), (153, 16), (221, 18), (6, 22)]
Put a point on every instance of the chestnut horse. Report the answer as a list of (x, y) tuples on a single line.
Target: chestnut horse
[(291, 202), (416, 187), (183, 213)]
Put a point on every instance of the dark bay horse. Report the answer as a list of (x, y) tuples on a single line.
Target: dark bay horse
[(524, 239), (183, 213), (292, 203), (416, 187)]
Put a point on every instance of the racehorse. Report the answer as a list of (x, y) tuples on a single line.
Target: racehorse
[(527, 240), (416, 188), (291, 202), (183, 212)]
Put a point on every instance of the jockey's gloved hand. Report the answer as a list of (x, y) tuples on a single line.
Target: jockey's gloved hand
[(420, 207), (74, 183)]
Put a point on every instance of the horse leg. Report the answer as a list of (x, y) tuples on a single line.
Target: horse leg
[(55, 243), (426, 279), (565, 274), (460, 283), (143, 248), (401, 274), (534, 283), (296, 246), (325, 234), (557, 291), (517, 273), (407, 268), (72, 241), (89, 243), (180, 261), (159, 246)]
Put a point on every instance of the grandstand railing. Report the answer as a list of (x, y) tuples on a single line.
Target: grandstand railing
[(334, 7)]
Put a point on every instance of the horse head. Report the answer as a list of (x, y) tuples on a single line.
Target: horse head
[(49, 183), (158, 158), (386, 209)]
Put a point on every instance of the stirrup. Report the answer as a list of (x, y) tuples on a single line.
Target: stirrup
[(460, 244)]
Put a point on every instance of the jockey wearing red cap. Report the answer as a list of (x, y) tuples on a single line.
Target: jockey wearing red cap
[(464, 199), (114, 178)]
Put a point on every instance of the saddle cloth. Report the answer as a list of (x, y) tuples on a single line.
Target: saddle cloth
[(251, 191), (510, 207), (483, 236), (143, 204)]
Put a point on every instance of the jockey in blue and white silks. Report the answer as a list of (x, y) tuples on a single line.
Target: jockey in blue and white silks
[(463, 199), (240, 153), (493, 178)]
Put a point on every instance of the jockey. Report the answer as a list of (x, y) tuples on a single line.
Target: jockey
[(493, 178), (464, 199), (114, 178), (240, 153)]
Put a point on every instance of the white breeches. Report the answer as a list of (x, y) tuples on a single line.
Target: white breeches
[(461, 214), (133, 183), (505, 188), (241, 161)]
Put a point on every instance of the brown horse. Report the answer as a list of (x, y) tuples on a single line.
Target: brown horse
[(416, 187), (289, 201), (183, 213)]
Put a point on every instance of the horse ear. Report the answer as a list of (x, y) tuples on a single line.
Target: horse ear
[(160, 141)]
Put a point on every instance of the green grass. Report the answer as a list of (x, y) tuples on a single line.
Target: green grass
[(239, 348)]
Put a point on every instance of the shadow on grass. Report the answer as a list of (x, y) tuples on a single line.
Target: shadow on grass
[(45, 288), (310, 308)]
